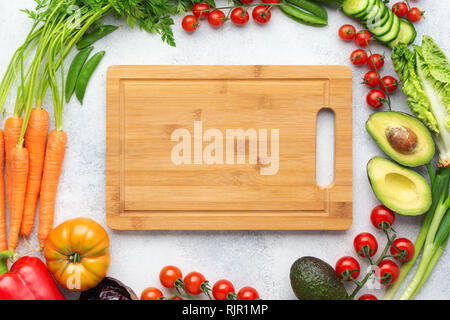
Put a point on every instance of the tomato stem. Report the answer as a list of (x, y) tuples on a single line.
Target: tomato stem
[(374, 266), (388, 101)]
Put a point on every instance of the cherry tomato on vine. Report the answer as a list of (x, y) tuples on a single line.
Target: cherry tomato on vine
[(189, 23), (375, 60), (414, 15), (222, 289), (247, 1), (390, 83), (406, 246), (270, 1), (371, 79), (193, 282), (365, 243), (347, 32), (261, 14), (248, 293), (363, 38), (382, 215), (201, 10), (151, 293), (239, 16), (367, 297), (347, 267), (400, 9), (375, 98), (358, 57), (168, 276), (216, 18), (387, 272), (176, 298)]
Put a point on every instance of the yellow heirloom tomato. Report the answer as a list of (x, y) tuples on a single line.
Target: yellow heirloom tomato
[(77, 254)]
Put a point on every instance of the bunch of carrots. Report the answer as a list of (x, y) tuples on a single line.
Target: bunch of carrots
[(32, 155)]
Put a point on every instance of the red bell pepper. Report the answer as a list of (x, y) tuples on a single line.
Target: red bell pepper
[(28, 279)]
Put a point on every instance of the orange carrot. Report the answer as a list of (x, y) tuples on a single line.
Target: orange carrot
[(19, 175), (13, 126), (3, 236), (54, 156), (35, 139)]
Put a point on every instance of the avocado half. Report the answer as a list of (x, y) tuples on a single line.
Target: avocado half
[(400, 189), (402, 137)]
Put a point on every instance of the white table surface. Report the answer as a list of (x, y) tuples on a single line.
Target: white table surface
[(258, 258)]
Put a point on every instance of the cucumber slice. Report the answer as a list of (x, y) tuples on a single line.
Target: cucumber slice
[(384, 28), (373, 11), (366, 11), (352, 7), (393, 32), (406, 35), (380, 19)]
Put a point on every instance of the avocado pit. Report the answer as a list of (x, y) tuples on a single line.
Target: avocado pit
[(402, 139)]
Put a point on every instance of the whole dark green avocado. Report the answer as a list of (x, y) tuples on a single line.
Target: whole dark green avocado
[(314, 279)]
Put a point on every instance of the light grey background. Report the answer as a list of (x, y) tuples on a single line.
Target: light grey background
[(257, 258)]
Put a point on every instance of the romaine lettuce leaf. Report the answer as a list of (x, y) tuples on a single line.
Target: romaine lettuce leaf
[(425, 74), (436, 60), (404, 62)]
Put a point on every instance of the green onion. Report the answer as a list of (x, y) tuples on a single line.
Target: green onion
[(433, 237)]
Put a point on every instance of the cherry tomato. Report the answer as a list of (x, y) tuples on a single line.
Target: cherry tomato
[(371, 79), (358, 57), (390, 83), (363, 38), (176, 298), (347, 32), (151, 293), (261, 14), (387, 272), (239, 16), (406, 247), (248, 293), (382, 216), (201, 10), (375, 98), (365, 243), (222, 289), (168, 276), (375, 60), (216, 18), (247, 1), (400, 9), (193, 282), (414, 15), (189, 23), (270, 1), (367, 297), (347, 267)]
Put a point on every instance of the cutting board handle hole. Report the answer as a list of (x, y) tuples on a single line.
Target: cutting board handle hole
[(325, 147)]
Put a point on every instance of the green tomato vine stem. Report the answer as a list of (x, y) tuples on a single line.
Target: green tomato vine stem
[(373, 266)]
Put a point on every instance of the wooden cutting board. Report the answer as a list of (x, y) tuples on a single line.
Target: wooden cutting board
[(176, 159)]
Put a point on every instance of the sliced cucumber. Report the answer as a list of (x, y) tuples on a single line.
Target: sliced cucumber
[(379, 19), (353, 7), (406, 35), (374, 11), (366, 11), (384, 28), (393, 32)]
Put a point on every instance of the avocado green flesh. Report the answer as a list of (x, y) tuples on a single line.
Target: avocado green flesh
[(400, 189), (379, 123), (314, 279)]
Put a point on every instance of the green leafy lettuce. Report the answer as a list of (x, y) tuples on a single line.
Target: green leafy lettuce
[(425, 74)]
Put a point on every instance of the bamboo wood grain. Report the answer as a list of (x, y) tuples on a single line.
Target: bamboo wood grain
[(145, 190)]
